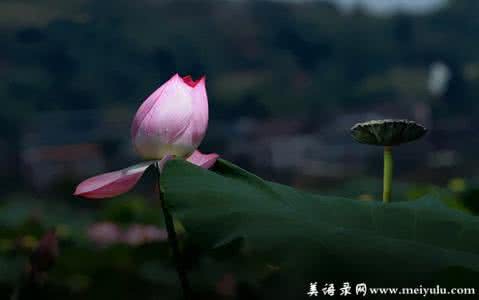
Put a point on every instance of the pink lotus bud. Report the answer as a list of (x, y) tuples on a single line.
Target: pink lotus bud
[(173, 120)]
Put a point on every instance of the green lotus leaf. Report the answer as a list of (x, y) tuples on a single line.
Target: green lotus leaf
[(387, 132), (326, 238)]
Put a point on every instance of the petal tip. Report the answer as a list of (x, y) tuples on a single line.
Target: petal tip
[(175, 77), (78, 191), (201, 81), (189, 81)]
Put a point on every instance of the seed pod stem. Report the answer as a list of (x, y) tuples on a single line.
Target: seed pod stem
[(388, 173)]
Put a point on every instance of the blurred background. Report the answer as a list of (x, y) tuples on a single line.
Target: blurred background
[(285, 79)]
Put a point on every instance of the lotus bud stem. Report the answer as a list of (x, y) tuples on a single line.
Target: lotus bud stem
[(172, 239)]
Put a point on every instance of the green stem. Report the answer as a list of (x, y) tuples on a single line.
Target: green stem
[(388, 173), (173, 240)]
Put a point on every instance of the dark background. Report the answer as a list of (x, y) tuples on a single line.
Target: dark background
[(285, 80)]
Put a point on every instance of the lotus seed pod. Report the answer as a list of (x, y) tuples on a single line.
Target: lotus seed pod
[(387, 132)]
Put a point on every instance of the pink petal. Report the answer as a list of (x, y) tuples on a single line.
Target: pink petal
[(196, 129), (203, 160), (146, 106), (113, 183), (171, 115)]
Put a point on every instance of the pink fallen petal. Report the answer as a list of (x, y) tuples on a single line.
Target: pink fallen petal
[(138, 234), (133, 236), (154, 234), (203, 160), (113, 183), (104, 234)]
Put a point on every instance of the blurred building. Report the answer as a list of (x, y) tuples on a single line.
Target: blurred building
[(58, 146), (288, 147)]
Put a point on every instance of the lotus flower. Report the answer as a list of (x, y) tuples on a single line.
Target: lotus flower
[(170, 123)]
